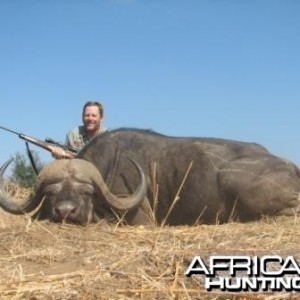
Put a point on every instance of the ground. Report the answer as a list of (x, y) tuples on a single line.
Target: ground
[(42, 260)]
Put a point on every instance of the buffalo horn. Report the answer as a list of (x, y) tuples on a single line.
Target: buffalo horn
[(9, 204), (125, 203)]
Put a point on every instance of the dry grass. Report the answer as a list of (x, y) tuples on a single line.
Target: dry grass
[(42, 260)]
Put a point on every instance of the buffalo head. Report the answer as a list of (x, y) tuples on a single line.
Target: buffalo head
[(73, 191)]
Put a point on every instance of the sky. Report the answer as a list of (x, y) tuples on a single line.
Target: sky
[(212, 68)]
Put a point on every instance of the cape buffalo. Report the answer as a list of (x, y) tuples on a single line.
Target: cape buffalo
[(139, 176)]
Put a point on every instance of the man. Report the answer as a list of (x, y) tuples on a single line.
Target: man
[(92, 115)]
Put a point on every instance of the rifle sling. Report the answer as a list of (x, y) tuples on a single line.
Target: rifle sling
[(29, 153)]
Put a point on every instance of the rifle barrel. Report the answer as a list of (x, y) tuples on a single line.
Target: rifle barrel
[(28, 138), (9, 130), (47, 145)]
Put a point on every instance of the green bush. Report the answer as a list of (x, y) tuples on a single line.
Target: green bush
[(23, 173)]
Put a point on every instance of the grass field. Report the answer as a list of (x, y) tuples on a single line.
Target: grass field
[(42, 260)]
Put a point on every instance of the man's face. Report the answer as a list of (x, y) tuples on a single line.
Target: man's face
[(91, 118)]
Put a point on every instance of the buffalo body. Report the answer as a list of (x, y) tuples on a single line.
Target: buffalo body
[(140, 176)]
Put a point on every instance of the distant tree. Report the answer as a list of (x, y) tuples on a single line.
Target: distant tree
[(23, 173)]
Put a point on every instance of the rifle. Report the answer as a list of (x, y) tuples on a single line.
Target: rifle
[(48, 144)]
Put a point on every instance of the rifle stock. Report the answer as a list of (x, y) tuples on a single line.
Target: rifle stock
[(35, 141)]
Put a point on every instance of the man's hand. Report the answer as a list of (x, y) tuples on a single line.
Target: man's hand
[(60, 153)]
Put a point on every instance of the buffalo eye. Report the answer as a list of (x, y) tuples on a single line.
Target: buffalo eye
[(51, 193), (85, 194)]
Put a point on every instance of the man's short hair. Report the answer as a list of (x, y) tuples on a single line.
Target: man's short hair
[(94, 103)]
